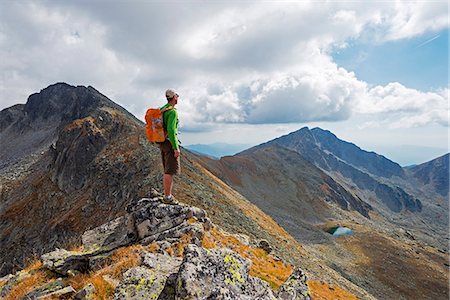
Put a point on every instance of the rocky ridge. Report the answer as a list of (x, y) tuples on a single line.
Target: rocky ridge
[(199, 273), (367, 171)]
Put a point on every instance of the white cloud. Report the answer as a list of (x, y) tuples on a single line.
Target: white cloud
[(413, 18), (232, 62), (402, 107)]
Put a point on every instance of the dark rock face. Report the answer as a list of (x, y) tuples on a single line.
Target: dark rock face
[(76, 148), (36, 125), (10, 115), (370, 161)]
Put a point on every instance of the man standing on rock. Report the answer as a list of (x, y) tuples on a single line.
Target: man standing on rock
[(170, 148)]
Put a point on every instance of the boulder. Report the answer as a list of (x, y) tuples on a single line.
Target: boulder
[(218, 274), (263, 244), (162, 264), (155, 279), (109, 236), (295, 287), (65, 262), (155, 221), (139, 283)]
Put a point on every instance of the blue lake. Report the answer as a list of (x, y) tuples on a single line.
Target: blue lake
[(340, 230)]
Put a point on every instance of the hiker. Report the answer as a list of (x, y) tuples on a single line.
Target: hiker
[(170, 149)]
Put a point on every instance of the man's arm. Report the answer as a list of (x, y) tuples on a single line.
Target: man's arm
[(172, 129)]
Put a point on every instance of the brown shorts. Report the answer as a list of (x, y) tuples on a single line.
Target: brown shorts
[(170, 163)]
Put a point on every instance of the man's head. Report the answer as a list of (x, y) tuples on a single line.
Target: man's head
[(171, 95)]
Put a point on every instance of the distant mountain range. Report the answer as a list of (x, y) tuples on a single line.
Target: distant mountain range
[(217, 150), (72, 159)]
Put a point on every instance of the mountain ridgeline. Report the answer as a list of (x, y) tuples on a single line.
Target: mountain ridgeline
[(72, 160), (367, 170)]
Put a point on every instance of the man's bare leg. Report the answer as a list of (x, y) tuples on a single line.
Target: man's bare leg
[(168, 183)]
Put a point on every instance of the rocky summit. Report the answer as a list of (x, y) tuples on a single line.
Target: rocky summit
[(151, 228)]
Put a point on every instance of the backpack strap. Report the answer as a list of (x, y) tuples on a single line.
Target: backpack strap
[(166, 109)]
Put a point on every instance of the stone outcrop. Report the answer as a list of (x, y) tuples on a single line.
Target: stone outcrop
[(148, 220), (201, 273)]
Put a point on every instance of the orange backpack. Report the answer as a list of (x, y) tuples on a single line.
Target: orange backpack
[(155, 125)]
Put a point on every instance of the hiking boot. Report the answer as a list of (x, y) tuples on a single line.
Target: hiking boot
[(169, 200)]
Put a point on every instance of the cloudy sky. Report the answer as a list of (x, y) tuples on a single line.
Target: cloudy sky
[(375, 73)]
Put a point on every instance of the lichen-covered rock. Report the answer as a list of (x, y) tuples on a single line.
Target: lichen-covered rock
[(155, 279), (54, 288), (63, 293), (195, 231), (162, 264), (295, 287), (112, 235), (155, 221), (156, 217), (64, 262), (139, 283), (86, 293), (166, 267), (218, 274)]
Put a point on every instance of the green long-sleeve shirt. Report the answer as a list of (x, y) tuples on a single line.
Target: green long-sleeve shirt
[(171, 126)]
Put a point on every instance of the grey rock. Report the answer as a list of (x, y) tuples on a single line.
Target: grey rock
[(46, 290), (194, 230), (111, 235), (157, 217), (218, 274), (295, 287), (140, 283), (163, 245), (86, 293), (64, 292), (263, 244), (154, 193), (162, 264), (64, 262)]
